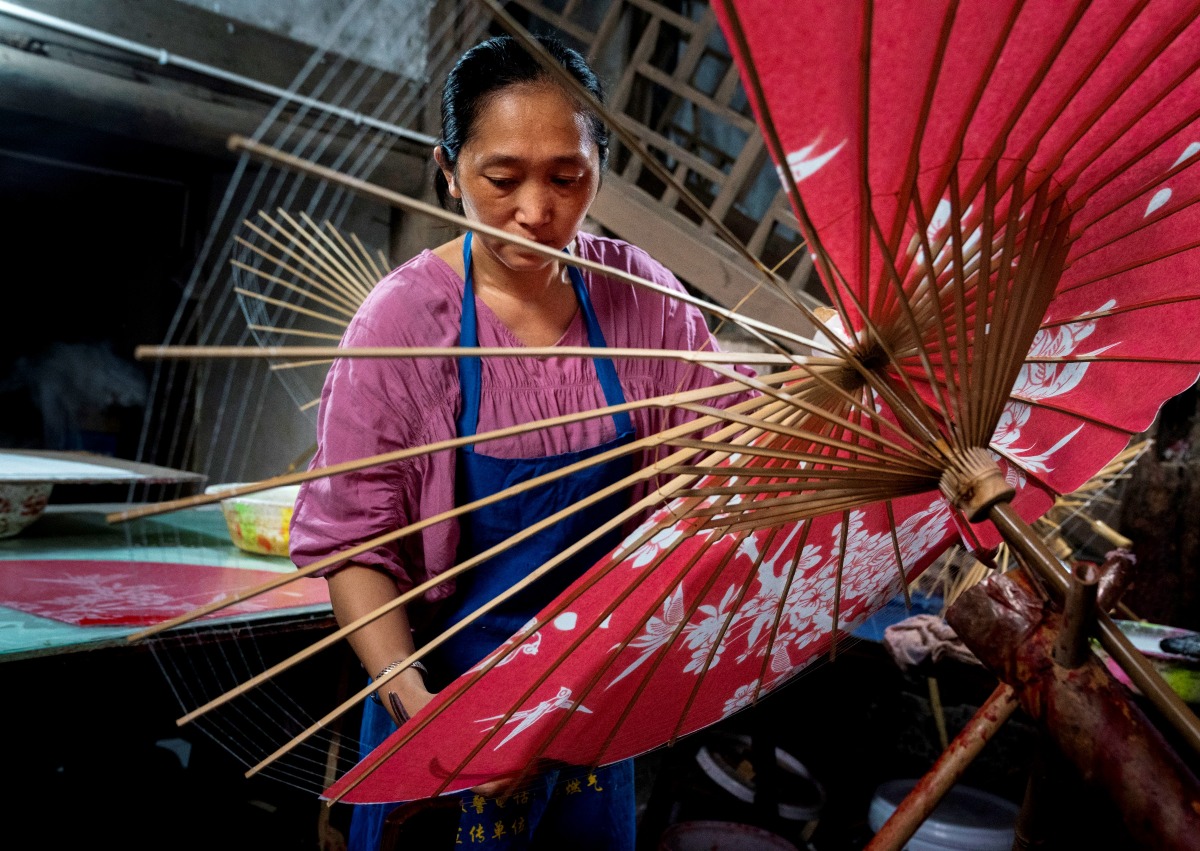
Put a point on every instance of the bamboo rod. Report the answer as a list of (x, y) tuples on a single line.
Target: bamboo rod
[(584, 632), (361, 259), (318, 261), (635, 145), (388, 537), (320, 279), (291, 307), (417, 451), (276, 352), (344, 310), (314, 285), (651, 499), (342, 259), (412, 729), (754, 327), (912, 812)]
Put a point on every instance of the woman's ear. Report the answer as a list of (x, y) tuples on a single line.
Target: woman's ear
[(443, 162)]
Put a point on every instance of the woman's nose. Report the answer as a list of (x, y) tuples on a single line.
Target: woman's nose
[(535, 206)]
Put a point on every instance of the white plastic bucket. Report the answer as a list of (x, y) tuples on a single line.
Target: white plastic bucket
[(801, 797), (966, 819)]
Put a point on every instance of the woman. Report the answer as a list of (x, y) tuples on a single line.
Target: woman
[(518, 152)]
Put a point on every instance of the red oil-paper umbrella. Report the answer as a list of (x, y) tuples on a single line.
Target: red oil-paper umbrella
[(1000, 199)]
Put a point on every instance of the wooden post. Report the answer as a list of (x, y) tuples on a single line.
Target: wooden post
[(924, 797), (1092, 718)]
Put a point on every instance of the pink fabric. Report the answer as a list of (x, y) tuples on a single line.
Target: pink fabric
[(373, 406)]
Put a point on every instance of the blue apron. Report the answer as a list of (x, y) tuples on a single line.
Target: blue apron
[(580, 808)]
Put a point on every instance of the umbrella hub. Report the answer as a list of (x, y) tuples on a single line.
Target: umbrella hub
[(870, 357), (972, 482)]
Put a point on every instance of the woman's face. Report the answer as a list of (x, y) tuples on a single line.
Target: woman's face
[(529, 167)]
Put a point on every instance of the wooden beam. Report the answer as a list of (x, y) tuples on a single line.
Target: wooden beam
[(698, 258)]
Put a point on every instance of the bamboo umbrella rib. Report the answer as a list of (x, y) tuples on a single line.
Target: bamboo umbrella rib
[(839, 568), (751, 576), (805, 483), (908, 196), (801, 505), (1112, 359), (777, 454), (827, 416), (468, 564), (1040, 73), (1046, 265), (556, 608), (955, 399), (993, 385), (331, 287), (771, 135), (769, 463), (635, 145), (334, 273), (598, 674), (306, 293), (1151, 220), (780, 608), (388, 537), (864, 162), (353, 269), (902, 573), (377, 262), (752, 326), (391, 352), (380, 258), (1129, 266), (314, 284), (300, 364), (1011, 345), (295, 332), (1084, 72), (915, 416), (289, 306), (368, 273), (1085, 124), (959, 288), (978, 434), (427, 449), (1187, 18), (808, 507), (1117, 311), (330, 257), (902, 300), (661, 656)]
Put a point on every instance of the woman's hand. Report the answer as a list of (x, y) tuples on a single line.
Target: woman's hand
[(405, 695), (494, 788)]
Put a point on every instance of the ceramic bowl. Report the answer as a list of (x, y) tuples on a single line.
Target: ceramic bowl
[(20, 504)]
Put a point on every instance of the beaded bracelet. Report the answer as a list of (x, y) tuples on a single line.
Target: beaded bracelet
[(393, 666)]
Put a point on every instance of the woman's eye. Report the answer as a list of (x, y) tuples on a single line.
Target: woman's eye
[(567, 180), (501, 182)]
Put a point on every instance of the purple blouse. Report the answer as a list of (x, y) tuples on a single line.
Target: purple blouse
[(373, 406)]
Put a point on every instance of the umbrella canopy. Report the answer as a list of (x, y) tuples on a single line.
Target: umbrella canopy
[(1000, 200)]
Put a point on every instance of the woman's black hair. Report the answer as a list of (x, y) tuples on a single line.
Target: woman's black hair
[(494, 65)]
